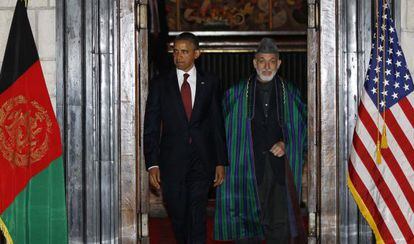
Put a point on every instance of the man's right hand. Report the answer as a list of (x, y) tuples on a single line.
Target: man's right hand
[(154, 175)]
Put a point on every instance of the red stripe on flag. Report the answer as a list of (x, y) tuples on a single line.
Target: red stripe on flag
[(389, 157), (382, 187), (408, 109), (369, 203), (399, 135)]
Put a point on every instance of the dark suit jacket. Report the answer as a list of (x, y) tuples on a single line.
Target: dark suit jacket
[(167, 131)]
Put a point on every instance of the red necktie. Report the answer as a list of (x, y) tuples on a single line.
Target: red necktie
[(186, 96)]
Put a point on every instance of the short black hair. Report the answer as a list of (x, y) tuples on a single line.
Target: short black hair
[(188, 36)]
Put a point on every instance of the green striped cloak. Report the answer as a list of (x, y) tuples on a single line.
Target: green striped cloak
[(237, 214)]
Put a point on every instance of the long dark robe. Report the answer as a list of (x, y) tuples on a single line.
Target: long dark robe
[(237, 213)]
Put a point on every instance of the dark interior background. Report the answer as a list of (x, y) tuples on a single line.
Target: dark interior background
[(232, 67)]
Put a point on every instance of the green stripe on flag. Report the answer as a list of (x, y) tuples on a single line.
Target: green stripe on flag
[(38, 214)]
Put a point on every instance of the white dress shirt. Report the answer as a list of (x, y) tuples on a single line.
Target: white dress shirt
[(192, 80)]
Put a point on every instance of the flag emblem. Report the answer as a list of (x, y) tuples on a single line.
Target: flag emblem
[(25, 127)]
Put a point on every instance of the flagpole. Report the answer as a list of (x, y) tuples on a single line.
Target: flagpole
[(26, 2), (384, 143), (378, 145)]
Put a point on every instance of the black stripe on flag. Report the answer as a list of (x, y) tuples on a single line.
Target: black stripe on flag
[(21, 50)]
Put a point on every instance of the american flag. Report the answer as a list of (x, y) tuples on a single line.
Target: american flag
[(381, 163)]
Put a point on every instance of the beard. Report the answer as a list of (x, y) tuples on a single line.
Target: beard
[(265, 78)]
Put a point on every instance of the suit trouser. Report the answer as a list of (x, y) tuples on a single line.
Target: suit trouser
[(186, 202)]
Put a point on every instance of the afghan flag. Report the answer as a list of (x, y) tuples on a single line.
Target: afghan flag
[(32, 189)]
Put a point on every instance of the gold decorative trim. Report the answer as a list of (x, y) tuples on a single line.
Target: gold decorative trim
[(364, 211), (5, 231)]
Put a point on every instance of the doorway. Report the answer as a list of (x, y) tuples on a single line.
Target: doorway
[(229, 55)]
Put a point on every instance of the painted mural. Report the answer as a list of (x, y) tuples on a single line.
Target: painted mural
[(236, 15)]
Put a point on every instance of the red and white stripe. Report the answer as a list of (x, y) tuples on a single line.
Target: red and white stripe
[(387, 189)]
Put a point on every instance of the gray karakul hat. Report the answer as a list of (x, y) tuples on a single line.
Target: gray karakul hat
[(267, 45)]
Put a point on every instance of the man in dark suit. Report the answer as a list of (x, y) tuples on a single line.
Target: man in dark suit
[(184, 143)]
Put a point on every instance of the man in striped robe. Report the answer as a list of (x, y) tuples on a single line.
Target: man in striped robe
[(266, 139)]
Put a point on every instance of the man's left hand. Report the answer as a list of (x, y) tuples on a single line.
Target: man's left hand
[(218, 180), (278, 150)]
